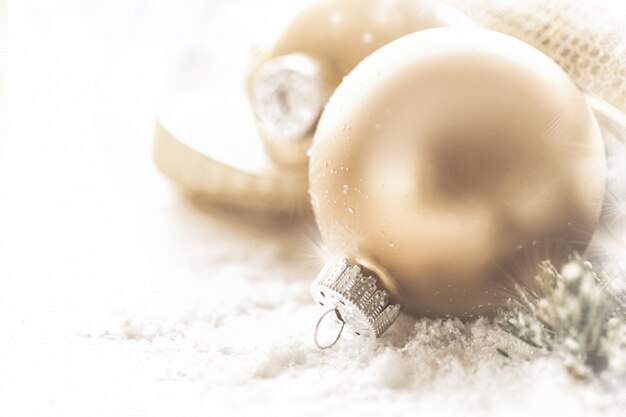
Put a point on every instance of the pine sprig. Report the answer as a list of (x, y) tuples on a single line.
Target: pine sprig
[(574, 312)]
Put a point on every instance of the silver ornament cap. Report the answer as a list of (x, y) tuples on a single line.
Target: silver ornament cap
[(288, 94), (354, 295)]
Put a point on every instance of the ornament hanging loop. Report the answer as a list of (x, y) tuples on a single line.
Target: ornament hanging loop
[(317, 327)]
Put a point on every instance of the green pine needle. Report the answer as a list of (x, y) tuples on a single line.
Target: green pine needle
[(574, 312)]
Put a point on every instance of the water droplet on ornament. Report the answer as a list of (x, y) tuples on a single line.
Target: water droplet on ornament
[(391, 244), (345, 189), (350, 210)]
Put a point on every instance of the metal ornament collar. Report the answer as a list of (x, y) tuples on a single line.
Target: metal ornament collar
[(343, 287)]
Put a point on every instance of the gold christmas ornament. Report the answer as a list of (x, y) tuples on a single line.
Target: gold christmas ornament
[(290, 84), (446, 165), (206, 138)]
